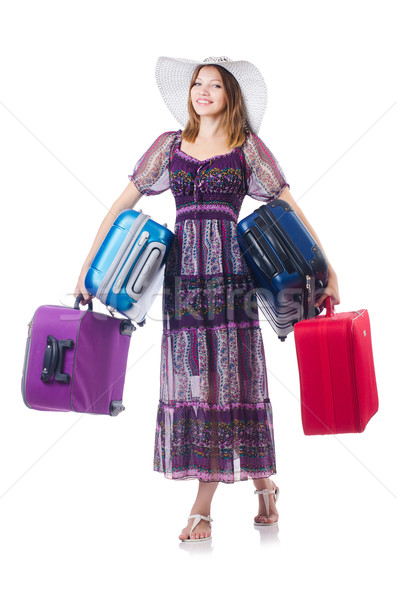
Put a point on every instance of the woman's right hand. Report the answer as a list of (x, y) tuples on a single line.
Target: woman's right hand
[(81, 289)]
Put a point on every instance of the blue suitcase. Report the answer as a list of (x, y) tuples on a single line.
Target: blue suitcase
[(288, 267), (128, 269)]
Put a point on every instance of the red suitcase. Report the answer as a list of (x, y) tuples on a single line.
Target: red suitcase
[(336, 371)]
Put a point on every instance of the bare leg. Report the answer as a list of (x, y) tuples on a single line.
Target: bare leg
[(262, 484), (202, 506)]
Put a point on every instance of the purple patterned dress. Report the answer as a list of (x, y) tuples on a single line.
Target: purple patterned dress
[(214, 420)]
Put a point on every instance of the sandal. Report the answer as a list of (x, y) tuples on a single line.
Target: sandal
[(265, 493), (197, 519)]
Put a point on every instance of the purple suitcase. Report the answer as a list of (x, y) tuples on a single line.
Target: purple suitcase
[(75, 360)]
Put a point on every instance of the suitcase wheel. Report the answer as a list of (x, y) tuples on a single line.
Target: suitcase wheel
[(116, 407)]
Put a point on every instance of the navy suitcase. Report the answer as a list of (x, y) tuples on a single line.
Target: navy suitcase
[(128, 269), (288, 267)]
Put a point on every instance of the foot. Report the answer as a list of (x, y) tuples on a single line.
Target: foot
[(202, 530), (263, 516)]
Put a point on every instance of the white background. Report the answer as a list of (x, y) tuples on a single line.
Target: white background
[(82, 513)]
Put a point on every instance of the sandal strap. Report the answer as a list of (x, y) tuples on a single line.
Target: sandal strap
[(197, 519), (265, 493)]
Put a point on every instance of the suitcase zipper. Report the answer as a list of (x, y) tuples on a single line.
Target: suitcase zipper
[(309, 296), (359, 314), (25, 363), (357, 415)]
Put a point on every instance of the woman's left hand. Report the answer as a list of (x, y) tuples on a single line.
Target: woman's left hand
[(332, 290)]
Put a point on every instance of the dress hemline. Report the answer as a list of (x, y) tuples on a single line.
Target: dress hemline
[(213, 478)]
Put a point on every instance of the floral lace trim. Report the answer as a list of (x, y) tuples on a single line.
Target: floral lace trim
[(202, 277), (216, 476), (196, 404), (231, 325)]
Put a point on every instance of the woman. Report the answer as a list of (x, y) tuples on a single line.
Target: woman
[(214, 420)]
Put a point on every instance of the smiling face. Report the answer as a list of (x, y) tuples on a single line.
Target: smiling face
[(208, 94)]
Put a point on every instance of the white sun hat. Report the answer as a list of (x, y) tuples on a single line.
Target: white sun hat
[(173, 77)]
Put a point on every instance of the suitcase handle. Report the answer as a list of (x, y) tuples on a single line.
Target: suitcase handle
[(330, 308), (53, 360), (260, 256), (78, 300), (50, 359), (277, 240)]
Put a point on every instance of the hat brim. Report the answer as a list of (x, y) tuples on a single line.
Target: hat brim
[(173, 76)]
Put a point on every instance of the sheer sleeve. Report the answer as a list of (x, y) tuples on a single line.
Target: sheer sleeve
[(151, 173), (265, 178)]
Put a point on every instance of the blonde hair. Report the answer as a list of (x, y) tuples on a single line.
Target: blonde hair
[(234, 120)]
